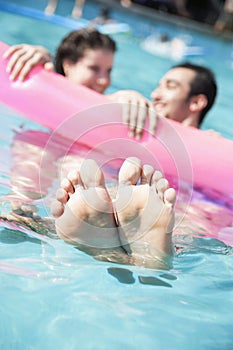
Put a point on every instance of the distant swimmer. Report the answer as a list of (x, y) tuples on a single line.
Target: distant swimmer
[(163, 45), (104, 17)]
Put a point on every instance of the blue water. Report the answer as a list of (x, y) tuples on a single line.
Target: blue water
[(54, 296)]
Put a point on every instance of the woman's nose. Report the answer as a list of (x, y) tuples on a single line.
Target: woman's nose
[(103, 79)]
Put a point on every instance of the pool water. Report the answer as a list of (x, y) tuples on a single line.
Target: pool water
[(54, 296)]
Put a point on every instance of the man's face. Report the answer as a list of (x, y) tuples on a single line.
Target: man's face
[(170, 97)]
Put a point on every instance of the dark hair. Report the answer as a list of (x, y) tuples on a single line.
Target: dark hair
[(105, 12), (203, 83), (73, 46)]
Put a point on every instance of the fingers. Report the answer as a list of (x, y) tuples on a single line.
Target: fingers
[(137, 123), (22, 58), (135, 128), (152, 120), (145, 110), (20, 66), (11, 50), (135, 113), (14, 53), (136, 108)]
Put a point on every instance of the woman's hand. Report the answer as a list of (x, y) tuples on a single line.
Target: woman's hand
[(136, 109), (23, 58)]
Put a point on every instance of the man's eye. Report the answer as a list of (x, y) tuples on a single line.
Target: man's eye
[(171, 85)]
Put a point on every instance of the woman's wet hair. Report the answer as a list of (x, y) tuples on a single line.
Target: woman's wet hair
[(74, 45), (203, 83)]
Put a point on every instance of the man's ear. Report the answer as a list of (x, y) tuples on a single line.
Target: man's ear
[(198, 103), (66, 67)]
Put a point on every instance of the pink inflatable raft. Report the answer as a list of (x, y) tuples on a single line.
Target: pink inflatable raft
[(81, 115)]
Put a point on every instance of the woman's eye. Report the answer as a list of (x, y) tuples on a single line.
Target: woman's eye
[(94, 69)]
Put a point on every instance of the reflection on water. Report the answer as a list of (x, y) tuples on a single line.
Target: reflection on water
[(37, 163)]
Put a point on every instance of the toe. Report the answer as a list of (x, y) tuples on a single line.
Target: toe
[(147, 173), (130, 171), (74, 177), (57, 209), (161, 186), (156, 176), (62, 196), (91, 175), (170, 196), (67, 186)]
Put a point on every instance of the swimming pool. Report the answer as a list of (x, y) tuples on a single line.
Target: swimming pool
[(54, 296)]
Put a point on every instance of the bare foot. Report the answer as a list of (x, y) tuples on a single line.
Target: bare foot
[(83, 209), (145, 213)]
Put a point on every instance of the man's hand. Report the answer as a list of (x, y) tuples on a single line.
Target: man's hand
[(136, 109)]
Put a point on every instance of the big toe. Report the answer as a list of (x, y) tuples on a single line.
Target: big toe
[(91, 175), (130, 171)]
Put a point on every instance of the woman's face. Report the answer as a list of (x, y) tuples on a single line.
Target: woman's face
[(93, 70)]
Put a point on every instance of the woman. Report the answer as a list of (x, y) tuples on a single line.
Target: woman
[(85, 57)]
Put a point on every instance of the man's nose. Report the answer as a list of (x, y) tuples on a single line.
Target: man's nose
[(155, 93)]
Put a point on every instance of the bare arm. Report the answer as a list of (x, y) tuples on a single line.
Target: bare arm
[(136, 109), (23, 57)]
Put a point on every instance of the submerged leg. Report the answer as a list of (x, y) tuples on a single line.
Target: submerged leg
[(51, 7), (78, 9)]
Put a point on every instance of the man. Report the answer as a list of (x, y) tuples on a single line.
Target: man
[(185, 94)]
